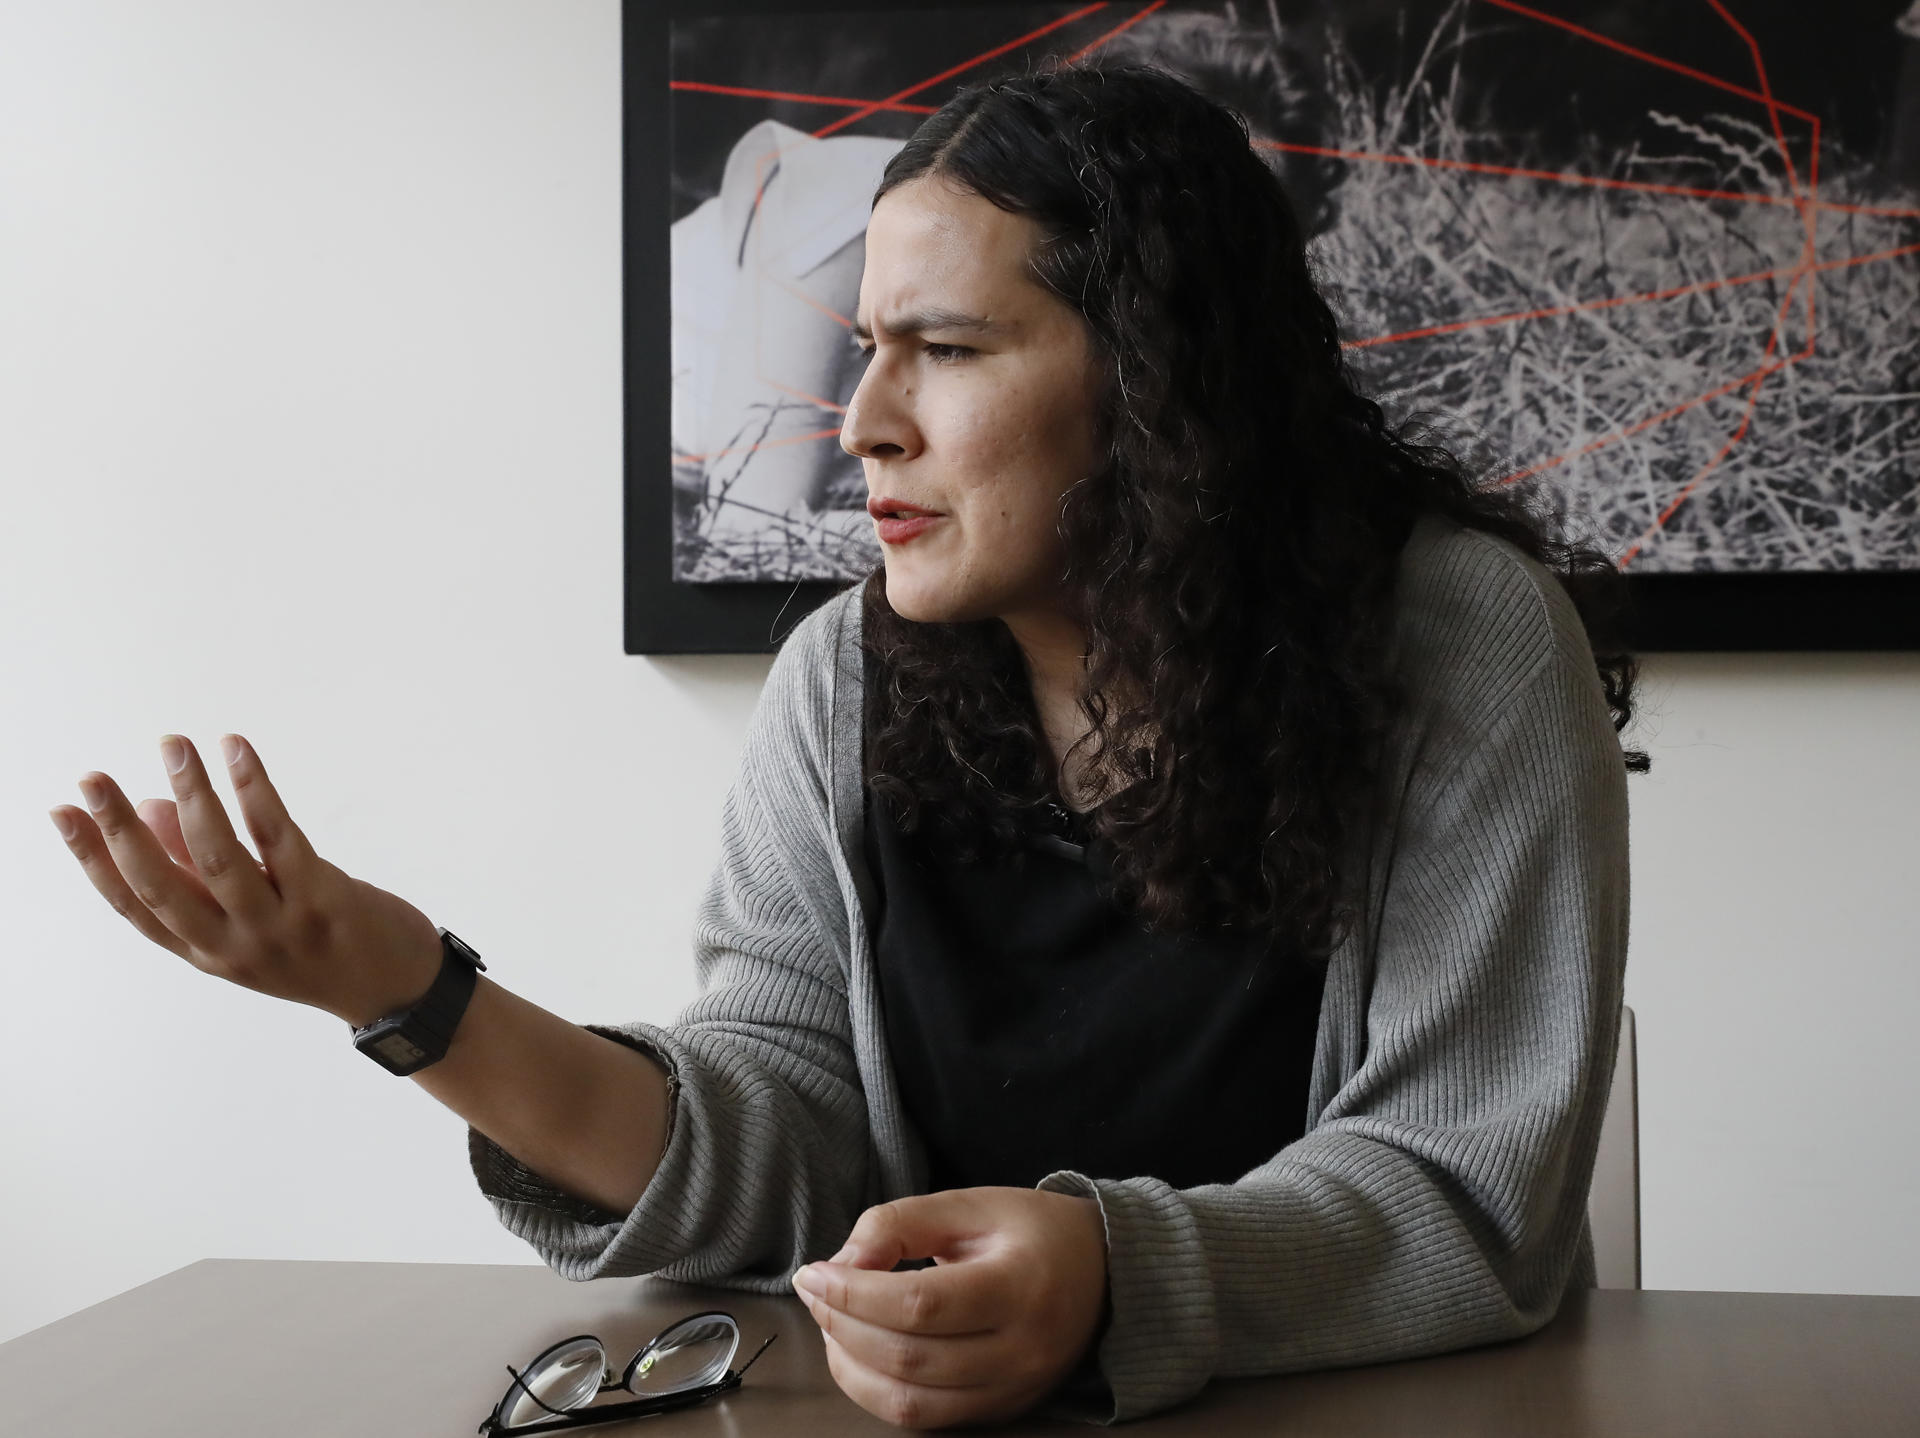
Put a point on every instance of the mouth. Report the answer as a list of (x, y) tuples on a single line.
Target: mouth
[(896, 521), (882, 507)]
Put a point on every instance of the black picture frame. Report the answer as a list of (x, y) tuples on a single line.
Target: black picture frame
[(1862, 610)]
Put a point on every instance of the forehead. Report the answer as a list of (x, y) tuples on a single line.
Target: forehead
[(931, 247)]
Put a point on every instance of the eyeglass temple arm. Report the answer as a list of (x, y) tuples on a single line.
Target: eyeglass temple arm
[(521, 1383), (613, 1412), (756, 1357)]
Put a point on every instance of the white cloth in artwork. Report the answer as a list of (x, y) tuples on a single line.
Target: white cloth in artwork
[(765, 278)]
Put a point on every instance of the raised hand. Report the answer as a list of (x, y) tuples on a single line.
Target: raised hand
[(289, 924), (1009, 1309)]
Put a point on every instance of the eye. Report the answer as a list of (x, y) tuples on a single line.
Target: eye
[(939, 354)]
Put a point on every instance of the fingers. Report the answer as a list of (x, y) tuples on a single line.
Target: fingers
[(163, 817), (953, 1298), (126, 864), (284, 850), (949, 1361), (951, 1223), (231, 875)]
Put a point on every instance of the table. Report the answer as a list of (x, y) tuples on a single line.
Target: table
[(289, 1348)]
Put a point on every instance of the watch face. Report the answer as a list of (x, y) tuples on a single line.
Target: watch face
[(396, 1048)]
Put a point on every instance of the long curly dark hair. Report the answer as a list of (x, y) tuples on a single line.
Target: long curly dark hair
[(1231, 563)]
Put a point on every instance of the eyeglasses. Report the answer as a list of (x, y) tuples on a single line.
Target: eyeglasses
[(685, 1365)]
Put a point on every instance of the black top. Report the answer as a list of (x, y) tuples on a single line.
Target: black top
[(1034, 1027)]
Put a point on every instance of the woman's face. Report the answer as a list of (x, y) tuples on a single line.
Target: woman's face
[(977, 404)]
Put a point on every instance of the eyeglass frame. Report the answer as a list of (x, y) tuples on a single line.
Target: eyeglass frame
[(587, 1416)]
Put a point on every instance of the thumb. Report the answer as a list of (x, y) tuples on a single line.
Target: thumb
[(927, 1225)]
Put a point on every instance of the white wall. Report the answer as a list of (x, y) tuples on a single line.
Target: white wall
[(1774, 971), (310, 429)]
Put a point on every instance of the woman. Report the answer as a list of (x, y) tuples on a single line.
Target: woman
[(1182, 894)]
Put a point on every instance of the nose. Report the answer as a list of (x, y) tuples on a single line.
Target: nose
[(879, 419)]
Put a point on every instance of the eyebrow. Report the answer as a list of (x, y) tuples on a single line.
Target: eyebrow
[(930, 319)]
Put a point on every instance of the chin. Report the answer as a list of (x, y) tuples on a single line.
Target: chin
[(915, 607), (924, 603)]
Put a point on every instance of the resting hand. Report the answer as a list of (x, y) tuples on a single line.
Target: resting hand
[(288, 924), (1003, 1318)]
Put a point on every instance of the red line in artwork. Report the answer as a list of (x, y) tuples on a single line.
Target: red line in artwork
[(1559, 176), (1810, 212), (1518, 316), (814, 399), (1666, 414), (762, 444), (1746, 419), (1093, 45), (1897, 214), (1651, 59), (754, 94), (1605, 440), (1807, 204), (1774, 107), (1890, 212), (1014, 44), (809, 300), (1807, 270), (1567, 178)]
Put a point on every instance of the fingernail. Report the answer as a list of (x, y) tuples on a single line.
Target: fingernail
[(807, 1278), (95, 793), (845, 1255), (65, 825), (173, 753), (230, 748)]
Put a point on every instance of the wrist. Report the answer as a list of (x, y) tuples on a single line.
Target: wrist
[(406, 983), (419, 1035)]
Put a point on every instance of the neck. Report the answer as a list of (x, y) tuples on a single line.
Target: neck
[(1055, 649), (1056, 653)]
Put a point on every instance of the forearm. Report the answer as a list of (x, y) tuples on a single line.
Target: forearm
[(586, 1113)]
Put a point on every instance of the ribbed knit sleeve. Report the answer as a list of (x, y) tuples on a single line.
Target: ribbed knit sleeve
[(1439, 1199), (767, 1159)]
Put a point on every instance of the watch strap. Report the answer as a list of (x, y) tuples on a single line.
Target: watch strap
[(406, 1042)]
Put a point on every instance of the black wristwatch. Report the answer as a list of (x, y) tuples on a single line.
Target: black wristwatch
[(408, 1041)]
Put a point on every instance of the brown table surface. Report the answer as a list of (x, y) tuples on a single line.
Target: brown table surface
[(290, 1349)]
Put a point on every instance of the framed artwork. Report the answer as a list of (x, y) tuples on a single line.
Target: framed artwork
[(1661, 262)]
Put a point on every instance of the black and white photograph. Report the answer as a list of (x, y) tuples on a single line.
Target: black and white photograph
[(1660, 262)]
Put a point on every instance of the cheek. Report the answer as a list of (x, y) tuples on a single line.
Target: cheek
[(1018, 521), (1026, 414), (1021, 449)]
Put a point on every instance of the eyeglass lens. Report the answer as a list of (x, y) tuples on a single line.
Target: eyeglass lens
[(564, 1377), (691, 1354)]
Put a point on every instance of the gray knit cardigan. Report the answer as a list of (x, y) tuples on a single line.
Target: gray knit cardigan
[(1437, 1199)]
